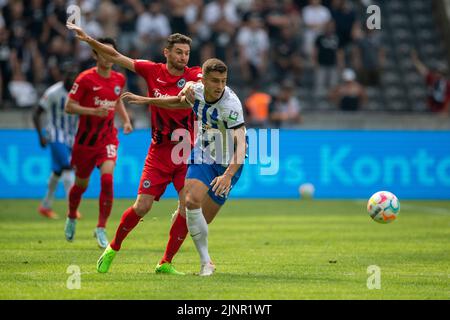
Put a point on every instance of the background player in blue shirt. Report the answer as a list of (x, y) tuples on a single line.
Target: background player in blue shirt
[(59, 132)]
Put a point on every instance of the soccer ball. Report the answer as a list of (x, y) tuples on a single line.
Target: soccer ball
[(383, 207), (306, 190)]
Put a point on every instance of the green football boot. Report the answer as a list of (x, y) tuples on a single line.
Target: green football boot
[(167, 268), (105, 260)]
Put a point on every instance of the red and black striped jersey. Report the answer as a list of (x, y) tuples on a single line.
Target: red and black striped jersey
[(91, 90), (161, 83)]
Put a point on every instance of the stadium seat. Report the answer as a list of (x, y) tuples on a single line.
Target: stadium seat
[(374, 106), (390, 77), (418, 5), (406, 26), (394, 5), (399, 105), (413, 78)]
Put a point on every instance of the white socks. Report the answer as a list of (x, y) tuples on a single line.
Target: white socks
[(51, 188), (198, 229), (68, 179)]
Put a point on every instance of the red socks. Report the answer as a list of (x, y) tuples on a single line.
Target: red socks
[(177, 235), (106, 199), (74, 200), (129, 220)]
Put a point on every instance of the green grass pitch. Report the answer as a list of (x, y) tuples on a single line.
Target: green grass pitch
[(263, 249)]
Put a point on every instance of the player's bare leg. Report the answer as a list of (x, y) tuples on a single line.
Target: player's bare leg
[(75, 194), (130, 219), (210, 209), (177, 234), (196, 191), (105, 202)]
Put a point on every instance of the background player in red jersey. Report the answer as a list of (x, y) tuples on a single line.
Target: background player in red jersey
[(438, 85), (95, 96), (159, 169)]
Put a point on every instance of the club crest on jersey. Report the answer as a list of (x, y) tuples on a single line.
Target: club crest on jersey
[(146, 184), (181, 83), (117, 90)]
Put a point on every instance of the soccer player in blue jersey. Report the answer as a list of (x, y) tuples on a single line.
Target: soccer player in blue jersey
[(60, 129), (219, 151)]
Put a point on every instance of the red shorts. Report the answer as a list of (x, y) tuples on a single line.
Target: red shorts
[(159, 171), (85, 159)]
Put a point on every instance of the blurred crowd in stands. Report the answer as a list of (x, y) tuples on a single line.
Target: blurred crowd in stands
[(272, 47)]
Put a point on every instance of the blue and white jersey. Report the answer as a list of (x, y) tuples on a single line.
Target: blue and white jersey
[(213, 142), (60, 126)]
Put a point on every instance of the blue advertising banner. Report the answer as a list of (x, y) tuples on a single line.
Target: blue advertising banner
[(340, 164)]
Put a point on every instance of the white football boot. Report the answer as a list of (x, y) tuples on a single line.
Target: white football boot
[(207, 269)]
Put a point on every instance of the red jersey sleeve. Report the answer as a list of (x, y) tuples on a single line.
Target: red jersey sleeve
[(430, 78), (144, 68), (78, 88), (195, 74)]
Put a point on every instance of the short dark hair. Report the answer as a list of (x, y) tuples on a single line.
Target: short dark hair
[(212, 65), (175, 38), (107, 40)]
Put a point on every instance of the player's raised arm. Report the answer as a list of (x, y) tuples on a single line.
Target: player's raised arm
[(172, 102), (108, 52), (420, 67)]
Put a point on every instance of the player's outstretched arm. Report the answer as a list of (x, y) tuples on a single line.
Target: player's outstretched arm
[(108, 52), (172, 102), (123, 114), (73, 107)]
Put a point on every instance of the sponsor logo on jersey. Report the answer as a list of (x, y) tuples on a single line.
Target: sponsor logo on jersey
[(233, 115), (104, 103), (158, 94)]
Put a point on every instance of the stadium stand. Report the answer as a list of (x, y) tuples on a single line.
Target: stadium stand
[(33, 42)]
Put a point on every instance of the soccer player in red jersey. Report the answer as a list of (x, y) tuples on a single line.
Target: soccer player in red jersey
[(438, 85), (95, 97), (159, 170)]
